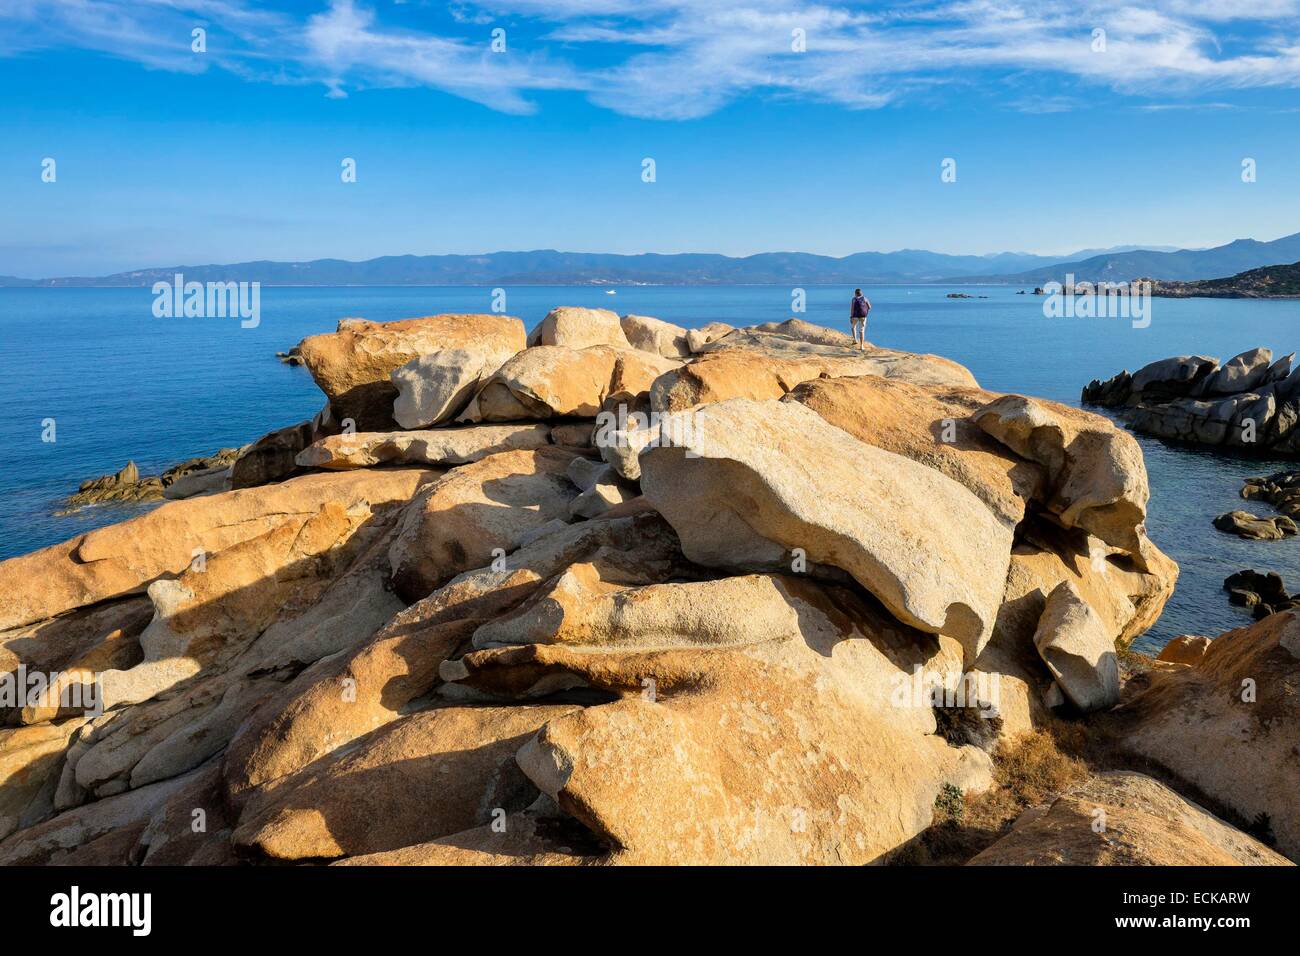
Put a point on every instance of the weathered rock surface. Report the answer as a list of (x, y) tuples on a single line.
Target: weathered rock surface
[(745, 364), (457, 522), (1228, 724), (353, 365), (1184, 649), (1080, 652), (440, 446), (807, 332), (123, 558), (272, 457), (1246, 525), (770, 477), (655, 335), (423, 776), (1096, 479), (435, 388), (577, 328), (1249, 402), (1144, 824), (552, 381), (774, 627), (845, 774), (931, 426)]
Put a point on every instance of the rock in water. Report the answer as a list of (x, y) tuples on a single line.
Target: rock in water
[(1073, 641), (1246, 403), (771, 481), (353, 365), (1246, 525)]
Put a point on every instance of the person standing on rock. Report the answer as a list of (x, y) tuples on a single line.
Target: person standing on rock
[(859, 309)]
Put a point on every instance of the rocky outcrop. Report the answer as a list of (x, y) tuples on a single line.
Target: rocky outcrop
[(773, 482), (123, 558), (763, 365), (1184, 649), (550, 381), (435, 388), (1250, 403), (1246, 525), (1074, 642), (353, 365), (1124, 819), (1263, 592), (1093, 470), (440, 446), (777, 623), (195, 476), (461, 520), (1227, 725), (576, 328), (657, 336)]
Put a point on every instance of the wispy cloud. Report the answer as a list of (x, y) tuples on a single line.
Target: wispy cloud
[(679, 59)]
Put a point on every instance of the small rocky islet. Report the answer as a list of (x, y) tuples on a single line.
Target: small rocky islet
[(1249, 404), (623, 593)]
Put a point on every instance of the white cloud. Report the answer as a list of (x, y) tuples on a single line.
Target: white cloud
[(675, 59)]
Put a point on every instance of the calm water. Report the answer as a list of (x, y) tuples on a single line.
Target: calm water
[(121, 384)]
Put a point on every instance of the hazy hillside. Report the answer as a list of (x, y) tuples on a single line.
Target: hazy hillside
[(549, 267), (1184, 264), (1281, 281)]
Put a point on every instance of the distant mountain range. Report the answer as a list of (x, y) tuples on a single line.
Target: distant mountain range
[(1184, 265), (1269, 282), (549, 267)]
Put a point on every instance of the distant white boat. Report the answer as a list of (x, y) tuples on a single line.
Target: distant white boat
[(611, 292)]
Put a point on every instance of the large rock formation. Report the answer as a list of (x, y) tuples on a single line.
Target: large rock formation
[(1124, 819), (774, 621), (1251, 402), (353, 365), (549, 381), (1228, 724), (772, 482)]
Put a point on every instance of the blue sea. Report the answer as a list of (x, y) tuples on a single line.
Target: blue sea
[(120, 384)]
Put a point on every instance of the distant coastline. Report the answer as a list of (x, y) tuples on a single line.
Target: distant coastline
[(549, 267)]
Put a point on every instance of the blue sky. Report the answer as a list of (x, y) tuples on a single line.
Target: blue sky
[(167, 156)]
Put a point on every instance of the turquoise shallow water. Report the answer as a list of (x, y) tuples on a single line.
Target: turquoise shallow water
[(122, 384)]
